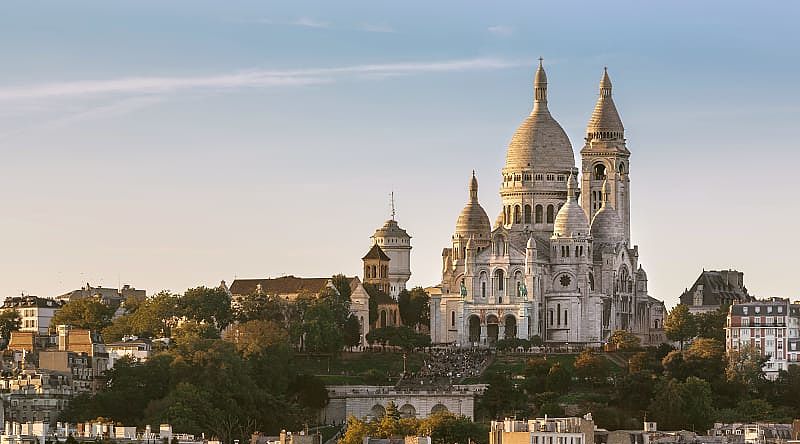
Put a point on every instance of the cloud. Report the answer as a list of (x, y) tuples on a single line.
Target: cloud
[(305, 22), (242, 80), (501, 30)]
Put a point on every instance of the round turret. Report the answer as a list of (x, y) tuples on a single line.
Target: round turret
[(606, 225), (571, 219), (473, 219)]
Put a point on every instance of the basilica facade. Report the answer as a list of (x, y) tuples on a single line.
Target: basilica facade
[(558, 262)]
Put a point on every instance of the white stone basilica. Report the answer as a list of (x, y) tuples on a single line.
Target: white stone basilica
[(544, 269)]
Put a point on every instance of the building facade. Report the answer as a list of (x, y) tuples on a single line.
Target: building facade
[(545, 430), (716, 289), (395, 243), (558, 262), (772, 326), (35, 312)]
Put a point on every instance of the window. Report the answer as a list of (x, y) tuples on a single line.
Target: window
[(599, 171), (550, 214), (527, 214), (452, 319), (499, 276), (538, 214), (517, 215)]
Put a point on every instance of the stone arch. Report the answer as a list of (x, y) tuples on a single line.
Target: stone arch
[(439, 408), (511, 326), (492, 328), (377, 411), (408, 411), (599, 171), (474, 328), (517, 215)]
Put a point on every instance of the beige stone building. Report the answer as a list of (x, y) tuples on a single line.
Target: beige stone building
[(558, 262)]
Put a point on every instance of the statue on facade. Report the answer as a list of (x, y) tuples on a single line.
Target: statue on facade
[(523, 290), (463, 290)]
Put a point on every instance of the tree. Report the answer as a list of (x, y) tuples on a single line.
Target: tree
[(414, 307), (536, 371), (352, 331), (447, 428), (745, 365), (208, 305), (558, 379), (624, 340), (502, 399), (711, 324), (683, 405), (87, 313), (356, 431), (591, 367), (322, 332), (679, 325), (342, 285), (257, 336), (9, 321)]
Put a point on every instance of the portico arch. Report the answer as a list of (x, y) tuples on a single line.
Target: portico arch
[(377, 411), (492, 328), (510, 326), (474, 325), (408, 411), (439, 408)]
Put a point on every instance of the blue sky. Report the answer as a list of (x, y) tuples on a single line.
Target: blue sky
[(173, 144)]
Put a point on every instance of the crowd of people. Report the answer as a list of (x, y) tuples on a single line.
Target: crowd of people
[(444, 367)]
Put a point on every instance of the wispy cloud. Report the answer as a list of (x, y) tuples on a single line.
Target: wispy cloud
[(304, 22), (246, 79), (501, 30)]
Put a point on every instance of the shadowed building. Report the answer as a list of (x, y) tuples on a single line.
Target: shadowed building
[(715, 289)]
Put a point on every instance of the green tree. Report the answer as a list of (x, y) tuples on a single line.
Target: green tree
[(352, 331), (683, 405), (502, 399), (207, 305), (87, 313), (447, 428), (342, 285), (591, 367), (9, 321), (156, 316), (536, 371), (711, 325), (745, 366), (558, 379), (679, 325), (257, 336), (624, 340), (322, 331), (414, 307)]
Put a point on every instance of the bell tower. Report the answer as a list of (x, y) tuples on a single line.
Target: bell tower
[(605, 157)]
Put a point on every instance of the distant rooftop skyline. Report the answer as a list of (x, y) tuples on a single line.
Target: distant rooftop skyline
[(173, 145)]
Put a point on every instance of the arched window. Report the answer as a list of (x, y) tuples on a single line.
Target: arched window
[(499, 276), (550, 214), (452, 319), (558, 314), (539, 214), (517, 215), (599, 171), (518, 283), (483, 284), (527, 214), (622, 168), (591, 282)]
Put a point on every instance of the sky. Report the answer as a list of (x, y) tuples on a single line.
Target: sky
[(168, 145)]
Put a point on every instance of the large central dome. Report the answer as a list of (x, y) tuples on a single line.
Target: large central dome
[(540, 144)]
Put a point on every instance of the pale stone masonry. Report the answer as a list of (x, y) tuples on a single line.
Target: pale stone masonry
[(559, 262)]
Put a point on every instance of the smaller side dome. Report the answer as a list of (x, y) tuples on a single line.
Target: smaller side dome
[(473, 219), (571, 219), (641, 274), (606, 225), (531, 243)]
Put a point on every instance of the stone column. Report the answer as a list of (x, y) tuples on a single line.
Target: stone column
[(483, 334)]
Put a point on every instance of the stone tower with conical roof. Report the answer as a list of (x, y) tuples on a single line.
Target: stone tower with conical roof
[(605, 159), (538, 161)]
